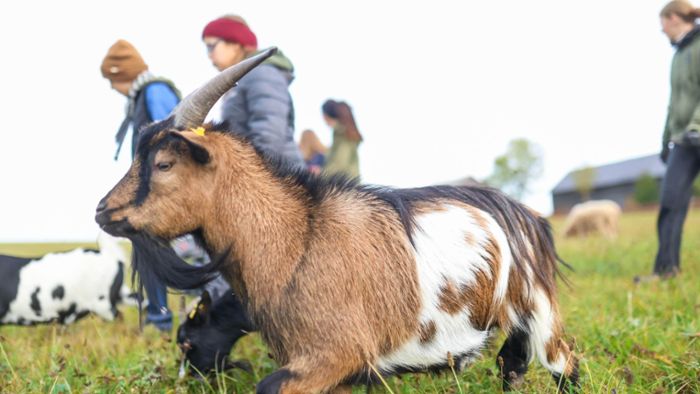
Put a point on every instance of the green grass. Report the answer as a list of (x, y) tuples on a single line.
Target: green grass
[(631, 338)]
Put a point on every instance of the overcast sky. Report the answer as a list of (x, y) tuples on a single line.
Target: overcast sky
[(438, 88)]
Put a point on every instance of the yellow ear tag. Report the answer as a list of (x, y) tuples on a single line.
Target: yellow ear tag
[(199, 131), (193, 312)]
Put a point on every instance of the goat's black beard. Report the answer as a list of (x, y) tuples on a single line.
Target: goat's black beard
[(154, 259)]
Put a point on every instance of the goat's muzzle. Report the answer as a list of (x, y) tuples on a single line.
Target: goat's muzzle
[(103, 217), (119, 228)]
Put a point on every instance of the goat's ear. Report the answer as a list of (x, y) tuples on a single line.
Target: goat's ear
[(204, 304), (200, 314), (205, 301), (199, 153)]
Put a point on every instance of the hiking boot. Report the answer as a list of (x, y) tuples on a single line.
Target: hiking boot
[(161, 321), (656, 277)]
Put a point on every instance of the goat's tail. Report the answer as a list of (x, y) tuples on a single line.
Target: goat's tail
[(532, 245), (546, 240)]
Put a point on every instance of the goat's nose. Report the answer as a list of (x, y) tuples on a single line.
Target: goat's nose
[(101, 216), (101, 206)]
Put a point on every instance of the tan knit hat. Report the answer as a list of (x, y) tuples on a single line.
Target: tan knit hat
[(122, 63)]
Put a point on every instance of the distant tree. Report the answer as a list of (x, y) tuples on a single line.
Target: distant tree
[(514, 171), (583, 180), (646, 189), (696, 187)]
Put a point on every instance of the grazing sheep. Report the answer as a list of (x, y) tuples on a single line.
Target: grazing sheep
[(591, 217), (208, 334), (63, 287), (343, 281)]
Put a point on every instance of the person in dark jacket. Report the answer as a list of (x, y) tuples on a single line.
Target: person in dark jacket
[(681, 137), (150, 98), (260, 106)]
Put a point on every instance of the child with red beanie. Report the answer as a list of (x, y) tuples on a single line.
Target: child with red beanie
[(260, 106)]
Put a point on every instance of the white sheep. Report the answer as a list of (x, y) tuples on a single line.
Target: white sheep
[(593, 217)]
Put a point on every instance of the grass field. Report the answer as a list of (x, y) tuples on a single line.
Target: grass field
[(631, 338)]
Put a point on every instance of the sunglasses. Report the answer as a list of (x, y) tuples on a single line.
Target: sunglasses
[(212, 45)]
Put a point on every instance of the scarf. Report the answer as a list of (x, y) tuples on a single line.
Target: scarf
[(141, 80)]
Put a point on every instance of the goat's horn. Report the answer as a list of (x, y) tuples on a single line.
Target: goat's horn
[(194, 108)]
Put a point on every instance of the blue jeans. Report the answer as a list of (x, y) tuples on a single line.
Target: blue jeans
[(676, 191), (157, 312)]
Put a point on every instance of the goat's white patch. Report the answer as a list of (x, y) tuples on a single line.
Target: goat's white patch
[(85, 278), (514, 318), (541, 325), (506, 258), (443, 254)]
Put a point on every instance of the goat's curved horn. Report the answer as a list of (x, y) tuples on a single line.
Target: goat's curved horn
[(194, 108)]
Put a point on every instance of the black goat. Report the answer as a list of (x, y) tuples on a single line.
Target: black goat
[(209, 333)]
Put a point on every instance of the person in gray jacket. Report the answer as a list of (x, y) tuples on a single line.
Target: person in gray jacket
[(260, 107)]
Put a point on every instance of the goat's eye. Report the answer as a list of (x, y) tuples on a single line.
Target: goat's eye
[(164, 166)]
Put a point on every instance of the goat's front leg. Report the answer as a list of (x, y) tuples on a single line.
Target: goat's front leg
[(308, 376), (342, 389)]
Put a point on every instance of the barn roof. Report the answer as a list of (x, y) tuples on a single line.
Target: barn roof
[(619, 173)]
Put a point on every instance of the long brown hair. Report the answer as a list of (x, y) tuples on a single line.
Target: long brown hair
[(341, 111), (686, 11)]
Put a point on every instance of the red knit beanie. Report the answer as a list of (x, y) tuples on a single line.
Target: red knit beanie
[(231, 30)]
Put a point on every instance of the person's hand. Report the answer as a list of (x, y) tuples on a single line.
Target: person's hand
[(692, 138), (665, 150), (314, 169)]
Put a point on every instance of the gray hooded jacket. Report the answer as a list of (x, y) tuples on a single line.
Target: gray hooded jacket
[(261, 109)]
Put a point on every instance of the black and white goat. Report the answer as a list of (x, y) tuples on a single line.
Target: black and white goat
[(63, 287), (343, 281)]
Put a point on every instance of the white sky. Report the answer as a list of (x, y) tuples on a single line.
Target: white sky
[(438, 88)]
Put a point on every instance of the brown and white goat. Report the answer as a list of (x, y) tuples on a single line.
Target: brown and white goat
[(344, 281)]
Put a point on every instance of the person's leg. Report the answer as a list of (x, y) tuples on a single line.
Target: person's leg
[(676, 191), (157, 312)]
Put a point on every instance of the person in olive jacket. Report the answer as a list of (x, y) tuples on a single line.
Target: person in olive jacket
[(681, 138), (342, 157)]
